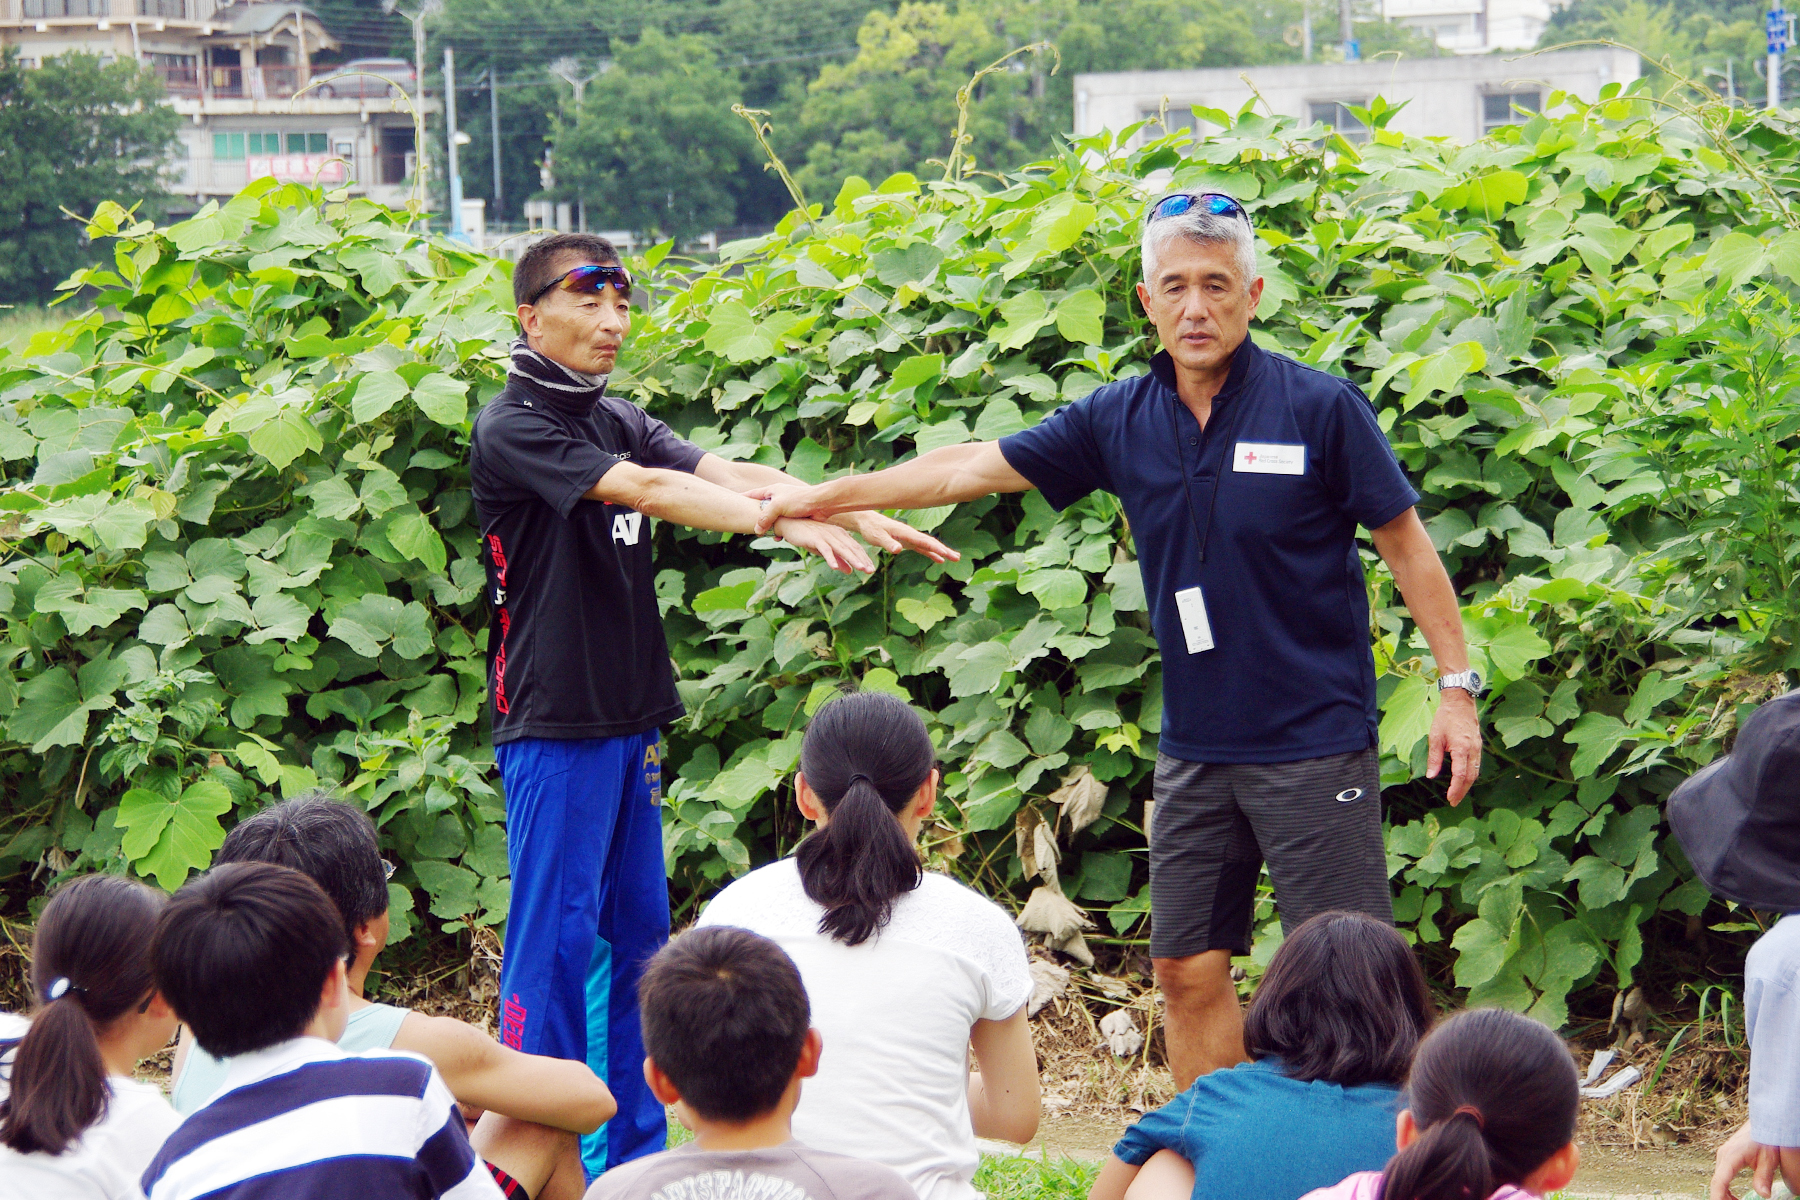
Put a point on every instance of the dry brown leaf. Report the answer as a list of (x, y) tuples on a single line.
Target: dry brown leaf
[(1081, 797), (1121, 1032), (1048, 981), (1060, 921)]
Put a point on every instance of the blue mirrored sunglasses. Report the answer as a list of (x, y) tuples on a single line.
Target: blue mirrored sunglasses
[(589, 279), (1216, 203)]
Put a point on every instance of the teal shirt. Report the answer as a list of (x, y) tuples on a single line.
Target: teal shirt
[(1252, 1131), (371, 1028)]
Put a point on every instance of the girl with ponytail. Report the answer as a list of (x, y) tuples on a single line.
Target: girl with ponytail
[(907, 970), (1492, 1117), (73, 1122)]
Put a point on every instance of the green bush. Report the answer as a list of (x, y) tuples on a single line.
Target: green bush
[(244, 558)]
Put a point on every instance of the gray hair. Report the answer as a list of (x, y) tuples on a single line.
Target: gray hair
[(1207, 229)]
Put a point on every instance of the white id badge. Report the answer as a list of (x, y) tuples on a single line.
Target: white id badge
[(1192, 607)]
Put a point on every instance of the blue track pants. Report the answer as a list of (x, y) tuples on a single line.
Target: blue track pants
[(590, 905)]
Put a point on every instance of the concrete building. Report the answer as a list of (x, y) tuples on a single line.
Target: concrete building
[(239, 73), (1475, 26), (1454, 97)]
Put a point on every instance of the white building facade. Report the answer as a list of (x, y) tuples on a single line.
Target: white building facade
[(239, 74), (1453, 97), (1475, 26)]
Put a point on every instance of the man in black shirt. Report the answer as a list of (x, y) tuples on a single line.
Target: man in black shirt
[(579, 674)]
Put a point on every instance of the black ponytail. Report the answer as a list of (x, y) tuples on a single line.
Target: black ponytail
[(90, 965), (1494, 1095), (865, 757)]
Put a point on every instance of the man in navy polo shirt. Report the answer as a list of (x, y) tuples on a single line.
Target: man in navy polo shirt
[(1245, 475)]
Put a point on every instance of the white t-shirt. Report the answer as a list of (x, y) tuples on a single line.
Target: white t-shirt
[(895, 1014), (106, 1163)]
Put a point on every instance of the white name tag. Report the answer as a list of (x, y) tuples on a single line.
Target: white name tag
[(1270, 458), (1194, 625)]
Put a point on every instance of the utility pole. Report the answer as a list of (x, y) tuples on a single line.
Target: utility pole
[(1347, 32), (1306, 38), (493, 83), (1778, 30), (454, 171), (427, 9), (569, 71)]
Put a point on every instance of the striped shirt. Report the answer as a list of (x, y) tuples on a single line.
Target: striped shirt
[(306, 1120)]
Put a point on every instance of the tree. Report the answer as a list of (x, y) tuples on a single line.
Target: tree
[(890, 108), (73, 132), (1693, 38), (655, 146)]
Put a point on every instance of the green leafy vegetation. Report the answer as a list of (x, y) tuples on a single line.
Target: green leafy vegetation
[(242, 557), (73, 132)]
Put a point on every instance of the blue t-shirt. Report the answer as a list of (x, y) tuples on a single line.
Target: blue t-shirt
[(1297, 462), (1252, 1131)]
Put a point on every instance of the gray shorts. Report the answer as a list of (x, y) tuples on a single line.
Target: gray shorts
[(1317, 822)]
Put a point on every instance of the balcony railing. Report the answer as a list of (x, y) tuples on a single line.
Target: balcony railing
[(254, 83), (64, 8), (180, 81)]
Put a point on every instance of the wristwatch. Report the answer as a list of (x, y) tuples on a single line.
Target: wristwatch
[(1469, 681)]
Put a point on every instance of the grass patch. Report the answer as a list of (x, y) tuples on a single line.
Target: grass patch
[(1057, 1178), (19, 323)]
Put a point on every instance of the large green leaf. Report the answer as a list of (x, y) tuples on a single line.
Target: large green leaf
[(166, 838)]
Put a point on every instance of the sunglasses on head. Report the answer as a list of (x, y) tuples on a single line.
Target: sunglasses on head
[(1216, 203), (589, 280)]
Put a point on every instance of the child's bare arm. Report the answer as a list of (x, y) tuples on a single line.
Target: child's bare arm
[(530, 1087)]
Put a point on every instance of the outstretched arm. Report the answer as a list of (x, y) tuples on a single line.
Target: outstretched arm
[(689, 500), (950, 475), (530, 1087), (1425, 586), (891, 535)]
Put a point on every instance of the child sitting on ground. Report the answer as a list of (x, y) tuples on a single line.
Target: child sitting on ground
[(1332, 1030), (533, 1106), (251, 956), (727, 1040), (75, 1122), (1738, 819), (1493, 1098)]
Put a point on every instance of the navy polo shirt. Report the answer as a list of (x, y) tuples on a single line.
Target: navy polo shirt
[(1298, 463)]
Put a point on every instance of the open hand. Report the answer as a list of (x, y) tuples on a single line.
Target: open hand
[(1455, 728), (894, 536), (840, 551)]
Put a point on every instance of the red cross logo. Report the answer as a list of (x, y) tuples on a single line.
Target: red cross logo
[(1249, 458)]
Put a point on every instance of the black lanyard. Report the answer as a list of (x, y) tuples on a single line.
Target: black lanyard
[(1202, 533)]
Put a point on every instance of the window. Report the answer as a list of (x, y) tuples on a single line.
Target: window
[(163, 8), (1499, 109), (228, 147), (304, 143), (1336, 115), (1179, 116)]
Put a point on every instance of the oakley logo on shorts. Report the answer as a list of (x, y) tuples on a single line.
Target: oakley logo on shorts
[(1349, 794)]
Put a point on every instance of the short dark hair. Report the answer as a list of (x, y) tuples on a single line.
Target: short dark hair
[(547, 259), (725, 1017), (242, 952), (326, 839), (1343, 1001)]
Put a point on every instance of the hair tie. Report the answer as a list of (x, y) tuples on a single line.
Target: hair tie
[(60, 987), (1471, 1111), (856, 776)]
